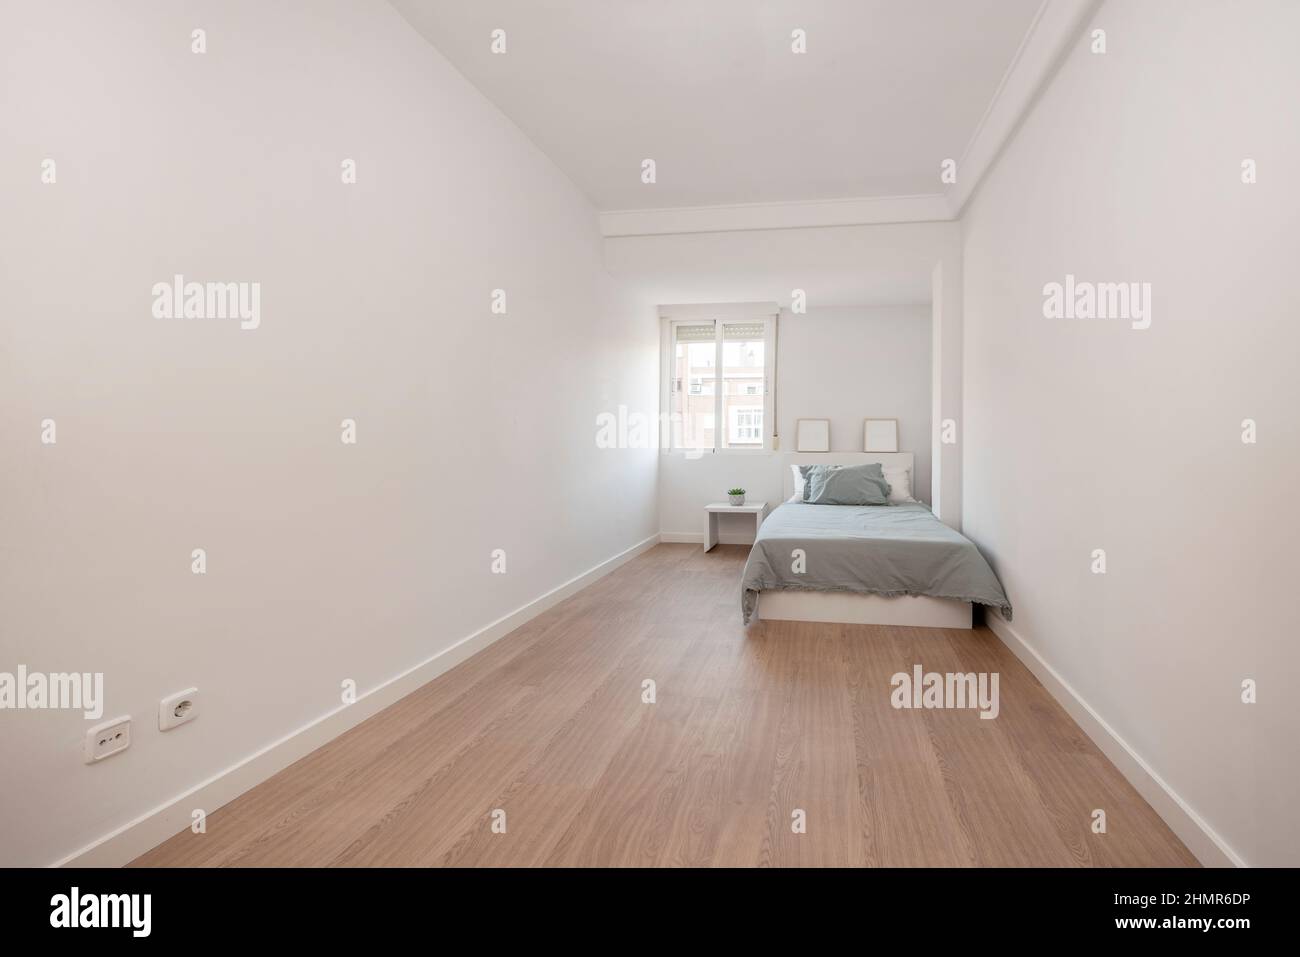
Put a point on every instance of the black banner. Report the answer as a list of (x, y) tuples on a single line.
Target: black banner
[(979, 907)]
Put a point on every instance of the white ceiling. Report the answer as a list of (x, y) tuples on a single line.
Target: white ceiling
[(711, 91)]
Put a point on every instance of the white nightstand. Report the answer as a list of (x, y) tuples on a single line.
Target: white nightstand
[(711, 513)]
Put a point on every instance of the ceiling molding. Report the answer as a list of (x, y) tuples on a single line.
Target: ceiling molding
[(1056, 25), (870, 210)]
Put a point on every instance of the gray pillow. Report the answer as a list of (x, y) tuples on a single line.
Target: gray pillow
[(805, 471), (846, 485), (875, 468)]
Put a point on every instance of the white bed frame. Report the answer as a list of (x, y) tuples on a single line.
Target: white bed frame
[(846, 607)]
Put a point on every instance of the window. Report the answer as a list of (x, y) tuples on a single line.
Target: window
[(746, 425), (719, 371)]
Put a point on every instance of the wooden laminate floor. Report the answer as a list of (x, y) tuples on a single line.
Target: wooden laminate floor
[(549, 725)]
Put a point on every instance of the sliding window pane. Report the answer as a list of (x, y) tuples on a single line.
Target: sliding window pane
[(695, 386), (743, 385)]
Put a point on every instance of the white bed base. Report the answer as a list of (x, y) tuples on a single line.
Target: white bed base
[(846, 607)]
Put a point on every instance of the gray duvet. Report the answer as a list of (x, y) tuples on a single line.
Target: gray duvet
[(871, 549)]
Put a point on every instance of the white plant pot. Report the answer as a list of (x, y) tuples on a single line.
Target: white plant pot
[(737, 499)]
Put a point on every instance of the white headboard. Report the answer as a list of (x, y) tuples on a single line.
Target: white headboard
[(904, 459)]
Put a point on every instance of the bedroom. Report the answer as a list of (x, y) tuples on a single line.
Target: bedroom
[(649, 435)]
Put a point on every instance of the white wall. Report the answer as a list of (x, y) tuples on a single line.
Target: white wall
[(839, 363), (325, 561), (1090, 434)]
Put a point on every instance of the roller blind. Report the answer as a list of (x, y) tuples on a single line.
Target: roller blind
[(695, 333), (704, 331), (743, 330)]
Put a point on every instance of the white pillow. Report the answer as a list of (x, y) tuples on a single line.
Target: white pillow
[(798, 485), (899, 478)]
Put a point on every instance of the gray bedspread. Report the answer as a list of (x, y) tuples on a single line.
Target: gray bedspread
[(871, 549)]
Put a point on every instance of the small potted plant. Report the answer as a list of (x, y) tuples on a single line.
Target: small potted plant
[(737, 496)]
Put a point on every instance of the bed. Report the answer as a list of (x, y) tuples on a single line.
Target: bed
[(888, 565)]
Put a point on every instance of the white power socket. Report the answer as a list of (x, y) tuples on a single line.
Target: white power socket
[(178, 708), (108, 738)]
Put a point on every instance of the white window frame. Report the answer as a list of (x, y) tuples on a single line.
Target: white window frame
[(693, 315)]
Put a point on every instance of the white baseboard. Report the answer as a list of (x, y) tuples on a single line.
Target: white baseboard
[(693, 537), (697, 538), (1201, 839), (153, 827)]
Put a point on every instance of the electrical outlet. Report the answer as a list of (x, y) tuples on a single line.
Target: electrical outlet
[(108, 738), (178, 708)]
